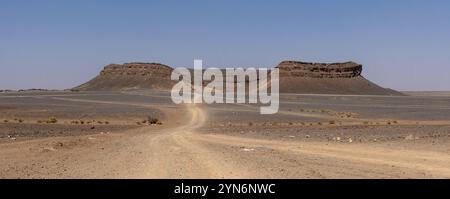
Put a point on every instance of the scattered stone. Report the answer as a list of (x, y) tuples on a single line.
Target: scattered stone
[(411, 137), (248, 149), (263, 149), (48, 149)]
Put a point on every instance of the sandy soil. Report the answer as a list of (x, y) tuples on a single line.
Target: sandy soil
[(198, 141)]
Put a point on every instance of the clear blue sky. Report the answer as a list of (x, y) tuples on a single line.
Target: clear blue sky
[(403, 45)]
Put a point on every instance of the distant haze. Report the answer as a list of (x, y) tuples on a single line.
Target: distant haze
[(404, 45)]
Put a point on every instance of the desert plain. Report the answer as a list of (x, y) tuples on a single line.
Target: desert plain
[(143, 134)]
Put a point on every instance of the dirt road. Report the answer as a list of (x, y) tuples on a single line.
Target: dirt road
[(179, 151)]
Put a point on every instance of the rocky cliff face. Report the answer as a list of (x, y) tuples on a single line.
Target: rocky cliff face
[(319, 70), (137, 69)]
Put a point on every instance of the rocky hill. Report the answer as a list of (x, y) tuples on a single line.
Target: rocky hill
[(327, 78), (295, 77), (133, 75)]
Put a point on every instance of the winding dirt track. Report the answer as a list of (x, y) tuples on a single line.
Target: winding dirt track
[(179, 151)]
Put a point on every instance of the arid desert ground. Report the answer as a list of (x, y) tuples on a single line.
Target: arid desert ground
[(143, 134)]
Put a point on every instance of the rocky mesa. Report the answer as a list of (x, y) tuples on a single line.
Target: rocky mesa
[(295, 77), (327, 78), (135, 75)]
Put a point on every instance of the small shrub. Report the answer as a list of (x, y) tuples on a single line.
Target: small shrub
[(52, 120), (5, 121), (250, 124), (152, 120), (332, 122)]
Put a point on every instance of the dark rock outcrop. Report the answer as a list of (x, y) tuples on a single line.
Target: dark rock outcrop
[(319, 70), (137, 69)]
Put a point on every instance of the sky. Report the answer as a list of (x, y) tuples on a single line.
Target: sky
[(402, 44)]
